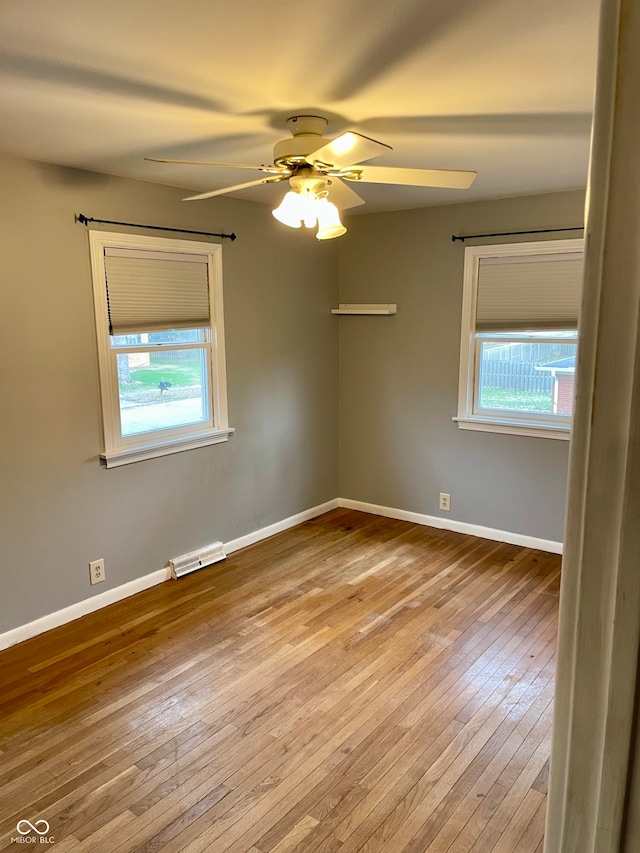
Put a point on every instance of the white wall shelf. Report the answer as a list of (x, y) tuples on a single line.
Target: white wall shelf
[(385, 308)]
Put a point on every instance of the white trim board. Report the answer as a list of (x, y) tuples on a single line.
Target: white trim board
[(456, 526), (81, 608), (118, 593), (279, 526)]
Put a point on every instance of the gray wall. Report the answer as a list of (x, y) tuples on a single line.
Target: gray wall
[(60, 508), (399, 375), (398, 386)]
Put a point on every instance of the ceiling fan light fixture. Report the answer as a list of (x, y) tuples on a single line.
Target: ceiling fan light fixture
[(329, 224), (306, 208)]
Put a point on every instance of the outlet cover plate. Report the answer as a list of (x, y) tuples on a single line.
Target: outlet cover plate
[(445, 501), (96, 571)]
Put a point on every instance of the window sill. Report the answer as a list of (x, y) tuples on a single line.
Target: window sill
[(514, 428), (151, 451)]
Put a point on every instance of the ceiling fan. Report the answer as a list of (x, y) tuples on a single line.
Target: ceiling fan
[(317, 168)]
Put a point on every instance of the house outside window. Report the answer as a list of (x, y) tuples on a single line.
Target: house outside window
[(160, 334), (519, 337), (562, 374)]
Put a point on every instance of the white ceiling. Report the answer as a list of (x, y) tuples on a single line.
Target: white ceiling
[(504, 87)]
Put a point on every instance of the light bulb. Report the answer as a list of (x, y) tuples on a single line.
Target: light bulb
[(329, 224), (309, 209)]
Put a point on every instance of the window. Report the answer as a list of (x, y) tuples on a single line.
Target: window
[(159, 322), (520, 337)]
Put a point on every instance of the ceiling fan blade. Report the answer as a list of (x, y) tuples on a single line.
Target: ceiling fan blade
[(488, 124), (343, 196), (447, 178), (233, 189), (206, 163), (347, 149)]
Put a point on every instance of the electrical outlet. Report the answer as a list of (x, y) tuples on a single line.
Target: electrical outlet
[(445, 501), (96, 571)]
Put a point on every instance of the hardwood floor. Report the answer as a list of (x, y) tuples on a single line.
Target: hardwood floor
[(356, 684)]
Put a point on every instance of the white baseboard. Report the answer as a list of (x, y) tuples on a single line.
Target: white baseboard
[(96, 602), (456, 526), (279, 526), (81, 608)]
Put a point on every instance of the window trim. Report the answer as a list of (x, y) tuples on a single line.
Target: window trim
[(467, 418), (116, 449)]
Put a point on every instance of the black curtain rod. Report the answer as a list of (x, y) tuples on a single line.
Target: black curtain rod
[(85, 220), (464, 237)]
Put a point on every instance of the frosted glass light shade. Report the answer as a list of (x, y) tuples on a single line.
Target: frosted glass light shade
[(290, 211), (305, 208), (329, 224)]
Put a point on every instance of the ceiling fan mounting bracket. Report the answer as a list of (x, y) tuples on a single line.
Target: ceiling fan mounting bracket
[(314, 125)]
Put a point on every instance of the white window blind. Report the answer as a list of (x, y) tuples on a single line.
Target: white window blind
[(154, 291), (522, 292)]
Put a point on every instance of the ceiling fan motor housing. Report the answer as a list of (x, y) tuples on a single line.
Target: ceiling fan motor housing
[(307, 137)]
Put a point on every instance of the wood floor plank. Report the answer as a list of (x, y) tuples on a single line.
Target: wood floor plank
[(296, 835), (356, 684)]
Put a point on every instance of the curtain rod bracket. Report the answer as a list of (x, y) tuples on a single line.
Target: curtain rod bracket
[(85, 220), (463, 237)]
